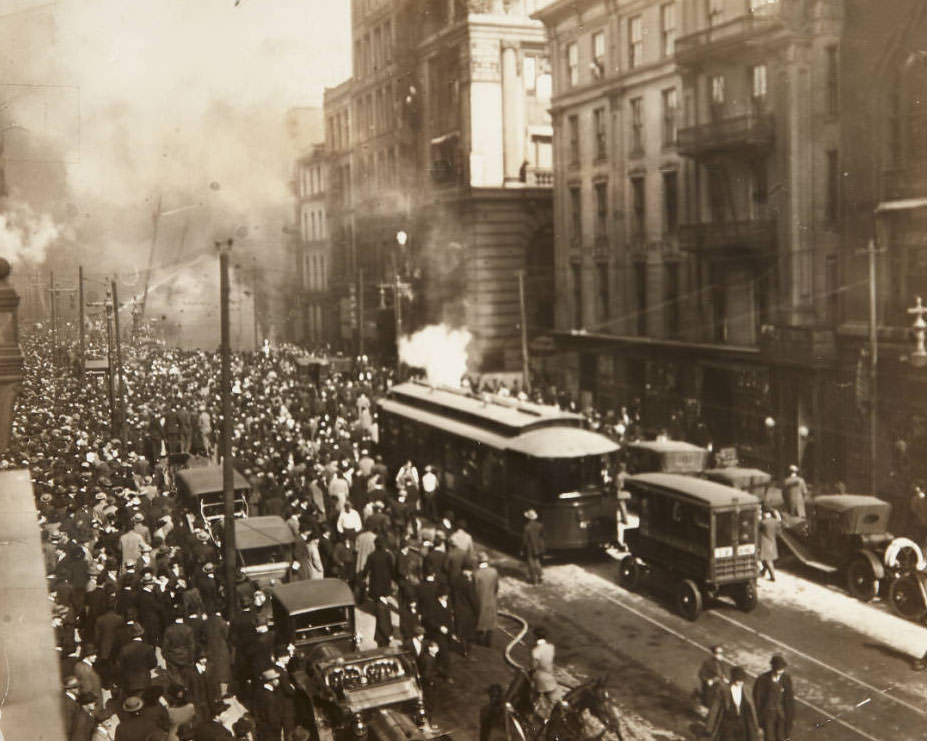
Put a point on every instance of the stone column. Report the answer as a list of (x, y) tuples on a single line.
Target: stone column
[(513, 114)]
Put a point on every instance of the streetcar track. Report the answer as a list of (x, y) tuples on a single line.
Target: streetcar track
[(798, 652)]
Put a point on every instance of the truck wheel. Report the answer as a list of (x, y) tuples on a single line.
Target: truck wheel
[(906, 598), (688, 599), (745, 597), (861, 581), (630, 572)]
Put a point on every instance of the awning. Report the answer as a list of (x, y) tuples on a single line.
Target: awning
[(902, 204)]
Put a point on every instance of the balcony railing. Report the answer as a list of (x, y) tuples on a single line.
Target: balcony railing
[(539, 177), (748, 132), (807, 347), (718, 38), (908, 182), (752, 237)]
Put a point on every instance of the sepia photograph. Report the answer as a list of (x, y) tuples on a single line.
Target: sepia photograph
[(472, 370)]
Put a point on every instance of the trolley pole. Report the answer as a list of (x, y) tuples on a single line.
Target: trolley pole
[(525, 369), (109, 364), (80, 302), (228, 486), (54, 316)]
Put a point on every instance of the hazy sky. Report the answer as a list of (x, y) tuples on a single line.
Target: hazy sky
[(165, 98)]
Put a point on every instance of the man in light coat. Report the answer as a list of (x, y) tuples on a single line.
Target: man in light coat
[(543, 680), (486, 581)]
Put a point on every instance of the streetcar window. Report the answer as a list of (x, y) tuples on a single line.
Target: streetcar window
[(581, 475)]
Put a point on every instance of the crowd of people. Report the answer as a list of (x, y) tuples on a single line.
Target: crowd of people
[(147, 646)]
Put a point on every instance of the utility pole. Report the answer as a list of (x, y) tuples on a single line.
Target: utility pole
[(80, 301), (119, 386), (526, 373), (254, 300), (54, 315), (360, 311), (872, 252), (228, 482), (109, 363), (397, 305)]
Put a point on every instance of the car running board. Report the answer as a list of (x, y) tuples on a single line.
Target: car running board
[(802, 553)]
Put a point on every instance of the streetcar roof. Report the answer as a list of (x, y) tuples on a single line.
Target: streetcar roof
[(262, 532), (733, 475), (505, 415), (202, 480), (440, 422), (554, 442), (313, 594), (712, 494)]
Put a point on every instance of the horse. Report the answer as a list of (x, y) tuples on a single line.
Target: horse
[(569, 719)]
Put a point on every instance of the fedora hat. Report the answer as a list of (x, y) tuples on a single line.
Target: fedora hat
[(531, 514), (133, 704)]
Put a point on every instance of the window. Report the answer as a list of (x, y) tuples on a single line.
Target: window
[(573, 122), (377, 45), (637, 125), (758, 88), (602, 290), (530, 72), (833, 187), (601, 210), (670, 104), (638, 208), (598, 120), (832, 284), (640, 297), (576, 217), (635, 41), (598, 53), (671, 300), (670, 202), (577, 296), (573, 64), (833, 81), (543, 152), (668, 29), (717, 90), (388, 41)]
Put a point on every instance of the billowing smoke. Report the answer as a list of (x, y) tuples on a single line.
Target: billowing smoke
[(24, 234), (440, 351)]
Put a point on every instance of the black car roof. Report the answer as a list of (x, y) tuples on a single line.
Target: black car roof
[(313, 594)]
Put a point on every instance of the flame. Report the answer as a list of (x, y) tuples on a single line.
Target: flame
[(440, 350)]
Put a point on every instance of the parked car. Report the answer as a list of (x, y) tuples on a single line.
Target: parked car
[(265, 548), (848, 533), (345, 692), (200, 493), (695, 537)]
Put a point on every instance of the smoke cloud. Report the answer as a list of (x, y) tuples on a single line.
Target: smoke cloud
[(440, 351)]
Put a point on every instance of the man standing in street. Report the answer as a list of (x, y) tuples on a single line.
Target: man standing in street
[(768, 550), (794, 492), (532, 546), (733, 716), (775, 701), (486, 581)]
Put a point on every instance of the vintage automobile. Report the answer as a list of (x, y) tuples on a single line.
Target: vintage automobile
[(665, 456), (346, 692), (847, 533), (200, 493), (265, 548), (696, 537)]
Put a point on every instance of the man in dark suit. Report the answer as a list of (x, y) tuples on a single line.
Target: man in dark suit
[(135, 662), (150, 609), (532, 546), (213, 730), (775, 701), (379, 569), (733, 716), (439, 627), (267, 711), (108, 634)]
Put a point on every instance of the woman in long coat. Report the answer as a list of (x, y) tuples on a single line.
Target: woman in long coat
[(768, 551), (486, 580)]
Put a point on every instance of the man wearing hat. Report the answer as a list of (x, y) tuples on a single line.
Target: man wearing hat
[(84, 722), (543, 679), (268, 711), (532, 545), (794, 492), (486, 582), (69, 705), (135, 661), (775, 701), (733, 716), (134, 725)]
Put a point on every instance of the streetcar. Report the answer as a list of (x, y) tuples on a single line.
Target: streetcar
[(497, 457), (665, 456), (696, 537)]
